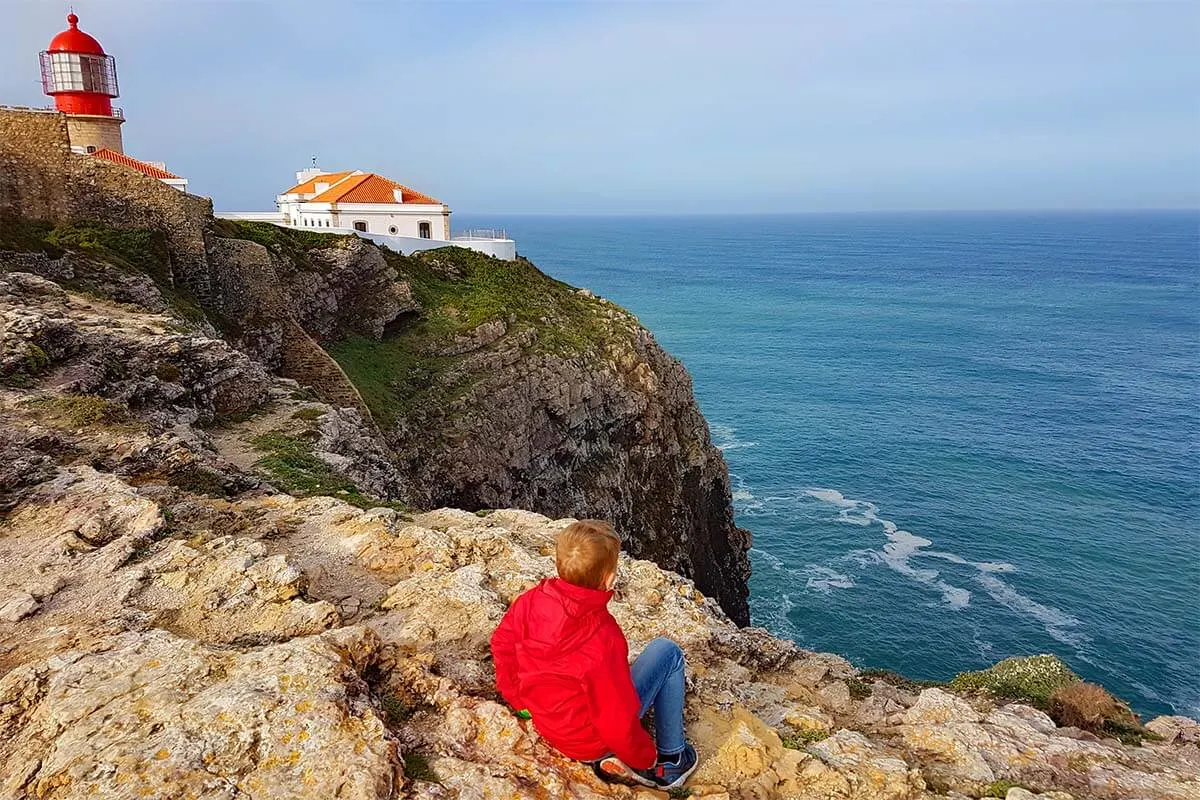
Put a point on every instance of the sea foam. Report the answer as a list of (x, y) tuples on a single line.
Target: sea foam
[(902, 548)]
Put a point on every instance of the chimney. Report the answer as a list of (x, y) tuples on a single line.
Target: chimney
[(398, 194), (306, 175)]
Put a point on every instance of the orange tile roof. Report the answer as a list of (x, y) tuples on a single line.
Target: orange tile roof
[(133, 163), (310, 186), (371, 188)]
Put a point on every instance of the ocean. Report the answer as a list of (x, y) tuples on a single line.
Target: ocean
[(954, 437)]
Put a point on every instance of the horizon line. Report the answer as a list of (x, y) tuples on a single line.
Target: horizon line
[(842, 212)]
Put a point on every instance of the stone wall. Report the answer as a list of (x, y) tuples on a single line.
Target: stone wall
[(40, 178)]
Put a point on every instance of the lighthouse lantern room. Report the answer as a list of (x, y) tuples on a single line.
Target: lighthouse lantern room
[(82, 79)]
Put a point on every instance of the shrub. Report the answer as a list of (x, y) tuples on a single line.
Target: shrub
[(1082, 705), (1000, 788), (418, 768), (1092, 708), (859, 689), (1033, 678)]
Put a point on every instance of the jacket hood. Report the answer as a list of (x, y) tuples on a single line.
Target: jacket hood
[(564, 615)]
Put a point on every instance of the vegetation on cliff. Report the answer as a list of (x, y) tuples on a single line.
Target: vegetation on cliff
[(459, 291), (134, 251)]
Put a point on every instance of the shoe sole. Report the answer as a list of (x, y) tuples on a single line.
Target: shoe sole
[(613, 769), (682, 779)]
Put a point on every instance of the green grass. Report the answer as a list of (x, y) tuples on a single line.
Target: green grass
[(418, 768), (80, 411), (393, 377), (294, 468), (199, 479), (1032, 678), (395, 710), (460, 289), (308, 414), (127, 249), (24, 236), (802, 739), (293, 242), (859, 689), (33, 364)]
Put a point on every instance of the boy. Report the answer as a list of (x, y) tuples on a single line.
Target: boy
[(560, 655)]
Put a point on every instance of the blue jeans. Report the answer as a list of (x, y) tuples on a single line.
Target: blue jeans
[(658, 678)]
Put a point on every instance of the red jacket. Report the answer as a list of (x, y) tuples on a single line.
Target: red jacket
[(560, 654)]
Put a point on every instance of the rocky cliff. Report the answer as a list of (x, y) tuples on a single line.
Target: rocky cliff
[(493, 384)]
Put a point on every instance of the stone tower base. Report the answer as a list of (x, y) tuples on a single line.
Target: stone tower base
[(91, 133)]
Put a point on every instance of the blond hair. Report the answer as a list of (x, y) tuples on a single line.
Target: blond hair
[(586, 553)]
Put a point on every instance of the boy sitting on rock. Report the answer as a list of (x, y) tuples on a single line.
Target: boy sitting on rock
[(560, 655)]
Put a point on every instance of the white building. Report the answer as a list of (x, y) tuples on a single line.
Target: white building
[(376, 208), (363, 202)]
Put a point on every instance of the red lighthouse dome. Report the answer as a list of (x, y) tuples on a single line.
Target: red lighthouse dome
[(77, 73), (73, 40)]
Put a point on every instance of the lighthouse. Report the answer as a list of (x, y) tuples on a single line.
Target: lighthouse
[(82, 79)]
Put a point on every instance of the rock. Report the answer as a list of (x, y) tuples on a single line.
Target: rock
[(18, 607), (808, 719), (152, 714), (936, 706), (174, 622), (1017, 793), (734, 750), (870, 771), (1175, 729), (834, 696), (229, 591)]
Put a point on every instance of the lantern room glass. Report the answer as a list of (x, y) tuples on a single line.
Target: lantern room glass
[(79, 72)]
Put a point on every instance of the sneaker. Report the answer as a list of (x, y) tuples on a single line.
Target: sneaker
[(673, 772)]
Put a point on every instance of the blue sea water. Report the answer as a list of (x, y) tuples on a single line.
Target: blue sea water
[(955, 438)]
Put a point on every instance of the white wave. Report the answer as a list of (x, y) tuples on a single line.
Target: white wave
[(724, 437), (741, 495), (832, 496), (903, 547), (1057, 623), (825, 580)]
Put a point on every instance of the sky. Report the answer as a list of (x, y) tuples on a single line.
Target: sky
[(656, 107)]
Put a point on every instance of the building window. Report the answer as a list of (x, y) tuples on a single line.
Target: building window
[(392, 230), (91, 148), (424, 230), (361, 227)]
